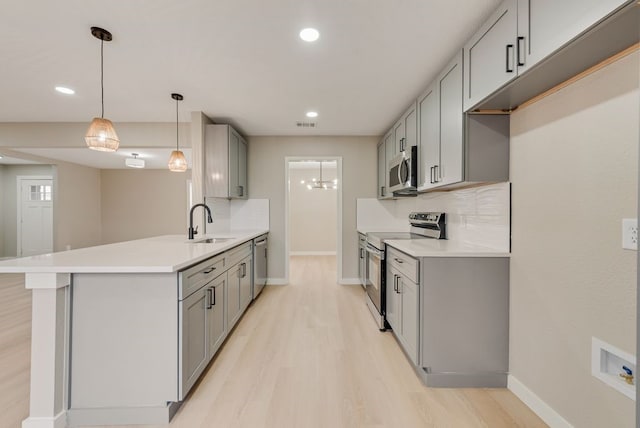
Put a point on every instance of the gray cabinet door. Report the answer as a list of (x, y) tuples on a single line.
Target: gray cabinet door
[(234, 160), (410, 304), (451, 167), (382, 186), (544, 26), (410, 119), (194, 340), (490, 55), (245, 283), (393, 302), (242, 190), (398, 136), (233, 295), (216, 323), (429, 136)]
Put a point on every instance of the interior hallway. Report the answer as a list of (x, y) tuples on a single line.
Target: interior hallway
[(304, 355)]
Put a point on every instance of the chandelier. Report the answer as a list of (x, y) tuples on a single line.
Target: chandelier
[(321, 183)]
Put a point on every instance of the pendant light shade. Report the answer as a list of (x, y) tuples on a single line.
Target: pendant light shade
[(101, 135), (177, 161)]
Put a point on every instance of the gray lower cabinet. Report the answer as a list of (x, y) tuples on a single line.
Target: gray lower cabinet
[(403, 301), (464, 321), (194, 339), (239, 282), (215, 314), (362, 259)]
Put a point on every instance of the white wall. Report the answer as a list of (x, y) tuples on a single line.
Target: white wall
[(143, 203), (313, 216), (2, 208), (574, 171), (266, 180)]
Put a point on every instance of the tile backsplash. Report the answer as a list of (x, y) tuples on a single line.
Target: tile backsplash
[(237, 214), (478, 215)]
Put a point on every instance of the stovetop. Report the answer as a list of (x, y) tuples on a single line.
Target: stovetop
[(377, 238)]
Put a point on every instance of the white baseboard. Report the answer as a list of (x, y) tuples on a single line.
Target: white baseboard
[(349, 281), (312, 253), (535, 403), (277, 281), (57, 421)]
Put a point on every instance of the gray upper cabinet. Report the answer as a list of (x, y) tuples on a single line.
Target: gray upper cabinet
[(528, 46), (225, 153), (490, 55), (382, 171), (429, 136), (545, 26), (405, 131)]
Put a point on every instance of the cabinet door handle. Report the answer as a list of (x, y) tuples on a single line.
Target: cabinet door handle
[(398, 260), (208, 271), (240, 190), (243, 267), (209, 305), (520, 50), (509, 68), (214, 296), (381, 190), (395, 283), (436, 174), (361, 254), (431, 175), (402, 140)]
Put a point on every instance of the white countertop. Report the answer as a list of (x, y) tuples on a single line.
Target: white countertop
[(168, 253), (444, 248)]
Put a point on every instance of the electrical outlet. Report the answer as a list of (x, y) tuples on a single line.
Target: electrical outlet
[(630, 233)]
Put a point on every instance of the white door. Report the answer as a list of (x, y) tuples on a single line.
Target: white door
[(35, 216)]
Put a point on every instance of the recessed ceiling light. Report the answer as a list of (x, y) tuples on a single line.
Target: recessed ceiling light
[(312, 114), (309, 34), (66, 91)]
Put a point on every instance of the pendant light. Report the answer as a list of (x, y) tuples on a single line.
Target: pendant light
[(101, 135), (177, 161), (322, 184)]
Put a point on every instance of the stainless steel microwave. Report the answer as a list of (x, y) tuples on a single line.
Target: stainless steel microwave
[(403, 172)]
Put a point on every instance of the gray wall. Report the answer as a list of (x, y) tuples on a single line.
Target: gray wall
[(142, 203), (266, 180), (574, 173)]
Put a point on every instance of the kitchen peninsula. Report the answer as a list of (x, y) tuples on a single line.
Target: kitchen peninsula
[(121, 332)]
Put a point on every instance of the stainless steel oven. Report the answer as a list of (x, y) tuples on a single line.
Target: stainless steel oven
[(423, 225)]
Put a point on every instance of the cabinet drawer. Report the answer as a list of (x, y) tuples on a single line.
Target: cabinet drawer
[(405, 264), (238, 253), (191, 279)]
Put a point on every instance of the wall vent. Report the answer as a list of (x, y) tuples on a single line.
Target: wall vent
[(306, 124)]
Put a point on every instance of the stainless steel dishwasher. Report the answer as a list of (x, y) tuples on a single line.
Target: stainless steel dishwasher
[(260, 257)]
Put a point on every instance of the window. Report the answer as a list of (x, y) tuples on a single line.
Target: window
[(40, 192)]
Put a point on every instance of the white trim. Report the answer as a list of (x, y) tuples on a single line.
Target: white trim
[(349, 281), (58, 421), (277, 281), (19, 180), (312, 253), (47, 280), (535, 403), (339, 242)]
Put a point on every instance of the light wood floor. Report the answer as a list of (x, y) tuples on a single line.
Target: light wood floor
[(305, 355)]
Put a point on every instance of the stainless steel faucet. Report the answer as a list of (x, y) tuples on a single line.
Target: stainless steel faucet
[(193, 231)]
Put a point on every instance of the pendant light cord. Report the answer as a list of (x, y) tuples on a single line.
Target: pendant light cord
[(102, 75), (177, 101)]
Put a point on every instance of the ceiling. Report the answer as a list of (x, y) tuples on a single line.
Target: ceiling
[(238, 61)]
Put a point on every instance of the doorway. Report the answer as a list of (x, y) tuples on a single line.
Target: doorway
[(313, 207), (35, 215)]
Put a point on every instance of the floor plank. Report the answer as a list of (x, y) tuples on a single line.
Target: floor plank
[(306, 354)]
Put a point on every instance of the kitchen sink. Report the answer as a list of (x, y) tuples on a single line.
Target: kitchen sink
[(211, 240)]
